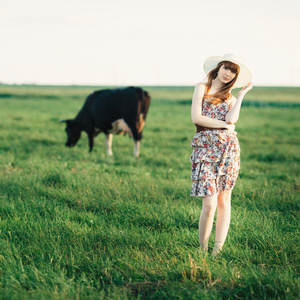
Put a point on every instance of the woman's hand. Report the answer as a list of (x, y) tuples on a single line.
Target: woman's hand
[(231, 127), (245, 89)]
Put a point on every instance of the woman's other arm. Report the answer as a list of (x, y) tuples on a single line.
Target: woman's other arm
[(234, 112), (197, 117)]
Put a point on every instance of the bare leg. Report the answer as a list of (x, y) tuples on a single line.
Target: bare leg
[(223, 220), (108, 142), (136, 152), (209, 205)]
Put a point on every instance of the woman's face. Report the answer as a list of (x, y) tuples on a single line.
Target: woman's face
[(225, 75)]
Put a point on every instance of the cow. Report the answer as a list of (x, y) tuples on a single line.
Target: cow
[(112, 111)]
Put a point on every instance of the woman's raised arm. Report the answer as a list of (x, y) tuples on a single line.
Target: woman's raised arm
[(234, 113)]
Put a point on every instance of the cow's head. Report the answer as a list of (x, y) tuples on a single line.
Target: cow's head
[(73, 132)]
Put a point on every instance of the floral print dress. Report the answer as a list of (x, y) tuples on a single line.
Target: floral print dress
[(216, 155)]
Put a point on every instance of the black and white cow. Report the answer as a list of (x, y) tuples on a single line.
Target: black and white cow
[(112, 111)]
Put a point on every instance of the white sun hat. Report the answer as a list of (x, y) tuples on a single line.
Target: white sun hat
[(244, 76)]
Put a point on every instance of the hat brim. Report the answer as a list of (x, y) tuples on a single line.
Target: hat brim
[(244, 76)]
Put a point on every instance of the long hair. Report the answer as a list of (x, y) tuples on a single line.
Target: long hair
[(223, 94)]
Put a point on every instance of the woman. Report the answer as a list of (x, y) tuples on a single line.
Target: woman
[(216, 155)]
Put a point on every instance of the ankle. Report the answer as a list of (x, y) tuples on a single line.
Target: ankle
[(217, 249), (204, 247)]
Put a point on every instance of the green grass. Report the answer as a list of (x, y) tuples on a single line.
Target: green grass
[(260, 93), (76, 225)]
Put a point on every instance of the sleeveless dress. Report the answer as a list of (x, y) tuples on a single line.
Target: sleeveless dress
[(216, 155)]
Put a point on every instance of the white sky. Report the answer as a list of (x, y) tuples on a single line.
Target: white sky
[(146, 42)]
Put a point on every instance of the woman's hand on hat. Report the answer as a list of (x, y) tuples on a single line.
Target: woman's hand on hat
[(245, 89)]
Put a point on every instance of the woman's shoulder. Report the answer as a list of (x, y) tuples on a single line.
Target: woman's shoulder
[(231, 100), (200, 88), (201, 84)]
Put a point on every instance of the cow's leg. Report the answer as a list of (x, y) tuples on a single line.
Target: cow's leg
[(136, 152), (91, 141), (137, 136), (108, 142)]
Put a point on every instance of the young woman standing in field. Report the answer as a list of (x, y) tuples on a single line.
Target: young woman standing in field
[(216, 154)]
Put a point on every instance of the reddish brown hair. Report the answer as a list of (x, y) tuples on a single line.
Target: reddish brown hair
[(223, 94)]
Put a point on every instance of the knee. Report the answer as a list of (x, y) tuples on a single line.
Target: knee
[(209, 206), (224, 199)]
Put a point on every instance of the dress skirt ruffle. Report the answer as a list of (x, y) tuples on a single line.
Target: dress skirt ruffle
[(215, 162)]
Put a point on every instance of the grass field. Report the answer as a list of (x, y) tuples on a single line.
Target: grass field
[(76, 225)]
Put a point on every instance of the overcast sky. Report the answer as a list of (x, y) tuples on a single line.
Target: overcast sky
[(146, 42)]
